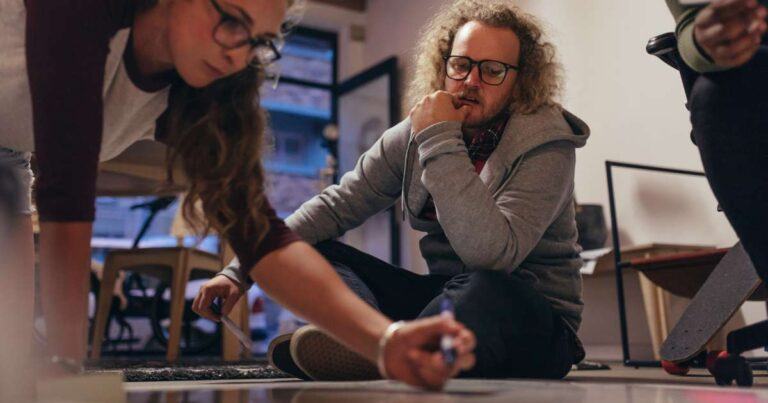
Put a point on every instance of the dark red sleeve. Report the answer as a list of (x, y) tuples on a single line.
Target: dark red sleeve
[(67, 43), (279, 235)]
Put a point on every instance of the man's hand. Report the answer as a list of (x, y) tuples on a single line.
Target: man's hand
[(218, 287), (412, 354), (440, 106), (729, 31)]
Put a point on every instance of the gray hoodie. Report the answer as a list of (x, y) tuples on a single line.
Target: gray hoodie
[(517, 215)]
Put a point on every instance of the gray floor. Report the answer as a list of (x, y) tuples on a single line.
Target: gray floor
[(457, 391), (619, 385)]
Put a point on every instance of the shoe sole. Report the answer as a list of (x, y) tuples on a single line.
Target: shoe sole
[(325, 359)]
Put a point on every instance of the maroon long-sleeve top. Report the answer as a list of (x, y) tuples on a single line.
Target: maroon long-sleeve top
[(67, 44)]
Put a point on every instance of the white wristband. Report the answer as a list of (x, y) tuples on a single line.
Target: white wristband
[(391, 329)]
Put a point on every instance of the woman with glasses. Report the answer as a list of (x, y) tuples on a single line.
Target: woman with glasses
[(81, 80)]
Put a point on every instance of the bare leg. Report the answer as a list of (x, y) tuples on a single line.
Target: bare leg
[(17, 303), (64, 273)]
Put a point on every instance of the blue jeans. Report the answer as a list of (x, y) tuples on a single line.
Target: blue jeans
[(518, 333)]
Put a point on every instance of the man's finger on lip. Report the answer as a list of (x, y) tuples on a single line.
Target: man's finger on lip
[(456, 99)]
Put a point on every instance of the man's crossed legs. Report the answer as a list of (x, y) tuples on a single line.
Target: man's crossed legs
[(518, 333)]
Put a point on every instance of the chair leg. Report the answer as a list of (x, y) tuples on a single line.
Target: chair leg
[(106, 292), (179, 280), (245, 321), (230, 346)]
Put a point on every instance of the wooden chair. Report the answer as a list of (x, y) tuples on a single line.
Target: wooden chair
[(176, 266)]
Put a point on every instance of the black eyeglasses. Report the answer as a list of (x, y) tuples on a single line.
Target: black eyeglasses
[(492, 72), (232, 32)]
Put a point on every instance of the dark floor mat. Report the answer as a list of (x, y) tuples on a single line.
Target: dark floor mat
[(138, 370), (590, 366)]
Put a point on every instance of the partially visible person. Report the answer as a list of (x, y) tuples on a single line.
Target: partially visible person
[(724, 48), (16, 376)]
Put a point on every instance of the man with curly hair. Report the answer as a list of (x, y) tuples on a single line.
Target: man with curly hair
[(484, 166)]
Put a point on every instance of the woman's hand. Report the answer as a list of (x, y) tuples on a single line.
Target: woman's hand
[(221, 287), (412, 354)]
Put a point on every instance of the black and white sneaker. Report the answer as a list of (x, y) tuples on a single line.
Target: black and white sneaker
[(323, 358)]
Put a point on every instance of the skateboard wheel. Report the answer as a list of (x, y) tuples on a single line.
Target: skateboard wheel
[(674, 368), (712, 357)]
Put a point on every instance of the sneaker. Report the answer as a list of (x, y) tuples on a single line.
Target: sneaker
[(323, 358), (279, 356)]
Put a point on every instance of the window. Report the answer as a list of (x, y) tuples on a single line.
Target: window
[(299, 111)]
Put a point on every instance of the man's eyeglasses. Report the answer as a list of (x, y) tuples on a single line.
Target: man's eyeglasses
[(492, 72), (232, 32)]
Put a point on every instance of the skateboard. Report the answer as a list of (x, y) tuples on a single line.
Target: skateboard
[(731, 283)]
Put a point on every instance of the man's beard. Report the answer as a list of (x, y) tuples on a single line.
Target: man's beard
[(504, 110)]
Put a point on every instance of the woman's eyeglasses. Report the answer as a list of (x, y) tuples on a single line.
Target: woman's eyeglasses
[(232, 32)]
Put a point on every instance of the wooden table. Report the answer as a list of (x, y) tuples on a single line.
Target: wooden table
[(659, 307), (139, 171)]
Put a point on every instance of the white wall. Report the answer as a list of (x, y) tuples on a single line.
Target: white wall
[(634, 104)]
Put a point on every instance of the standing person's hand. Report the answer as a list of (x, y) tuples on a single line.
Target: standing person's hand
[(440, 106), (221, 287), (412, 353), (730, 31)]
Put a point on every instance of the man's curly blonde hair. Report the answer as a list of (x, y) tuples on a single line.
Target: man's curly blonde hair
[(539, 78)]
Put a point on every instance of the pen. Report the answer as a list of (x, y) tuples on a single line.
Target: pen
[(446, 341), (245, 341)]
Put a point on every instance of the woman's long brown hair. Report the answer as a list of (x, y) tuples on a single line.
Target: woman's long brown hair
[(216, 135)]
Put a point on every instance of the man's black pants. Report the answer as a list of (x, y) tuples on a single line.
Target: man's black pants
[(729, 113), (518, 333)]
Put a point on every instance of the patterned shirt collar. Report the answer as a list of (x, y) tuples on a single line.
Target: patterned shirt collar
[(481, 142)]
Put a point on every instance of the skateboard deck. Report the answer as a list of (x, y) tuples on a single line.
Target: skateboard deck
[(731, 283)]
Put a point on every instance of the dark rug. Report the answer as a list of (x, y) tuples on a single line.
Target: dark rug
[(590, 366), (138, 370)]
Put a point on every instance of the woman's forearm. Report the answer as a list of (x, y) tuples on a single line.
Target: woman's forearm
[(65, 261), (300, 279)]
